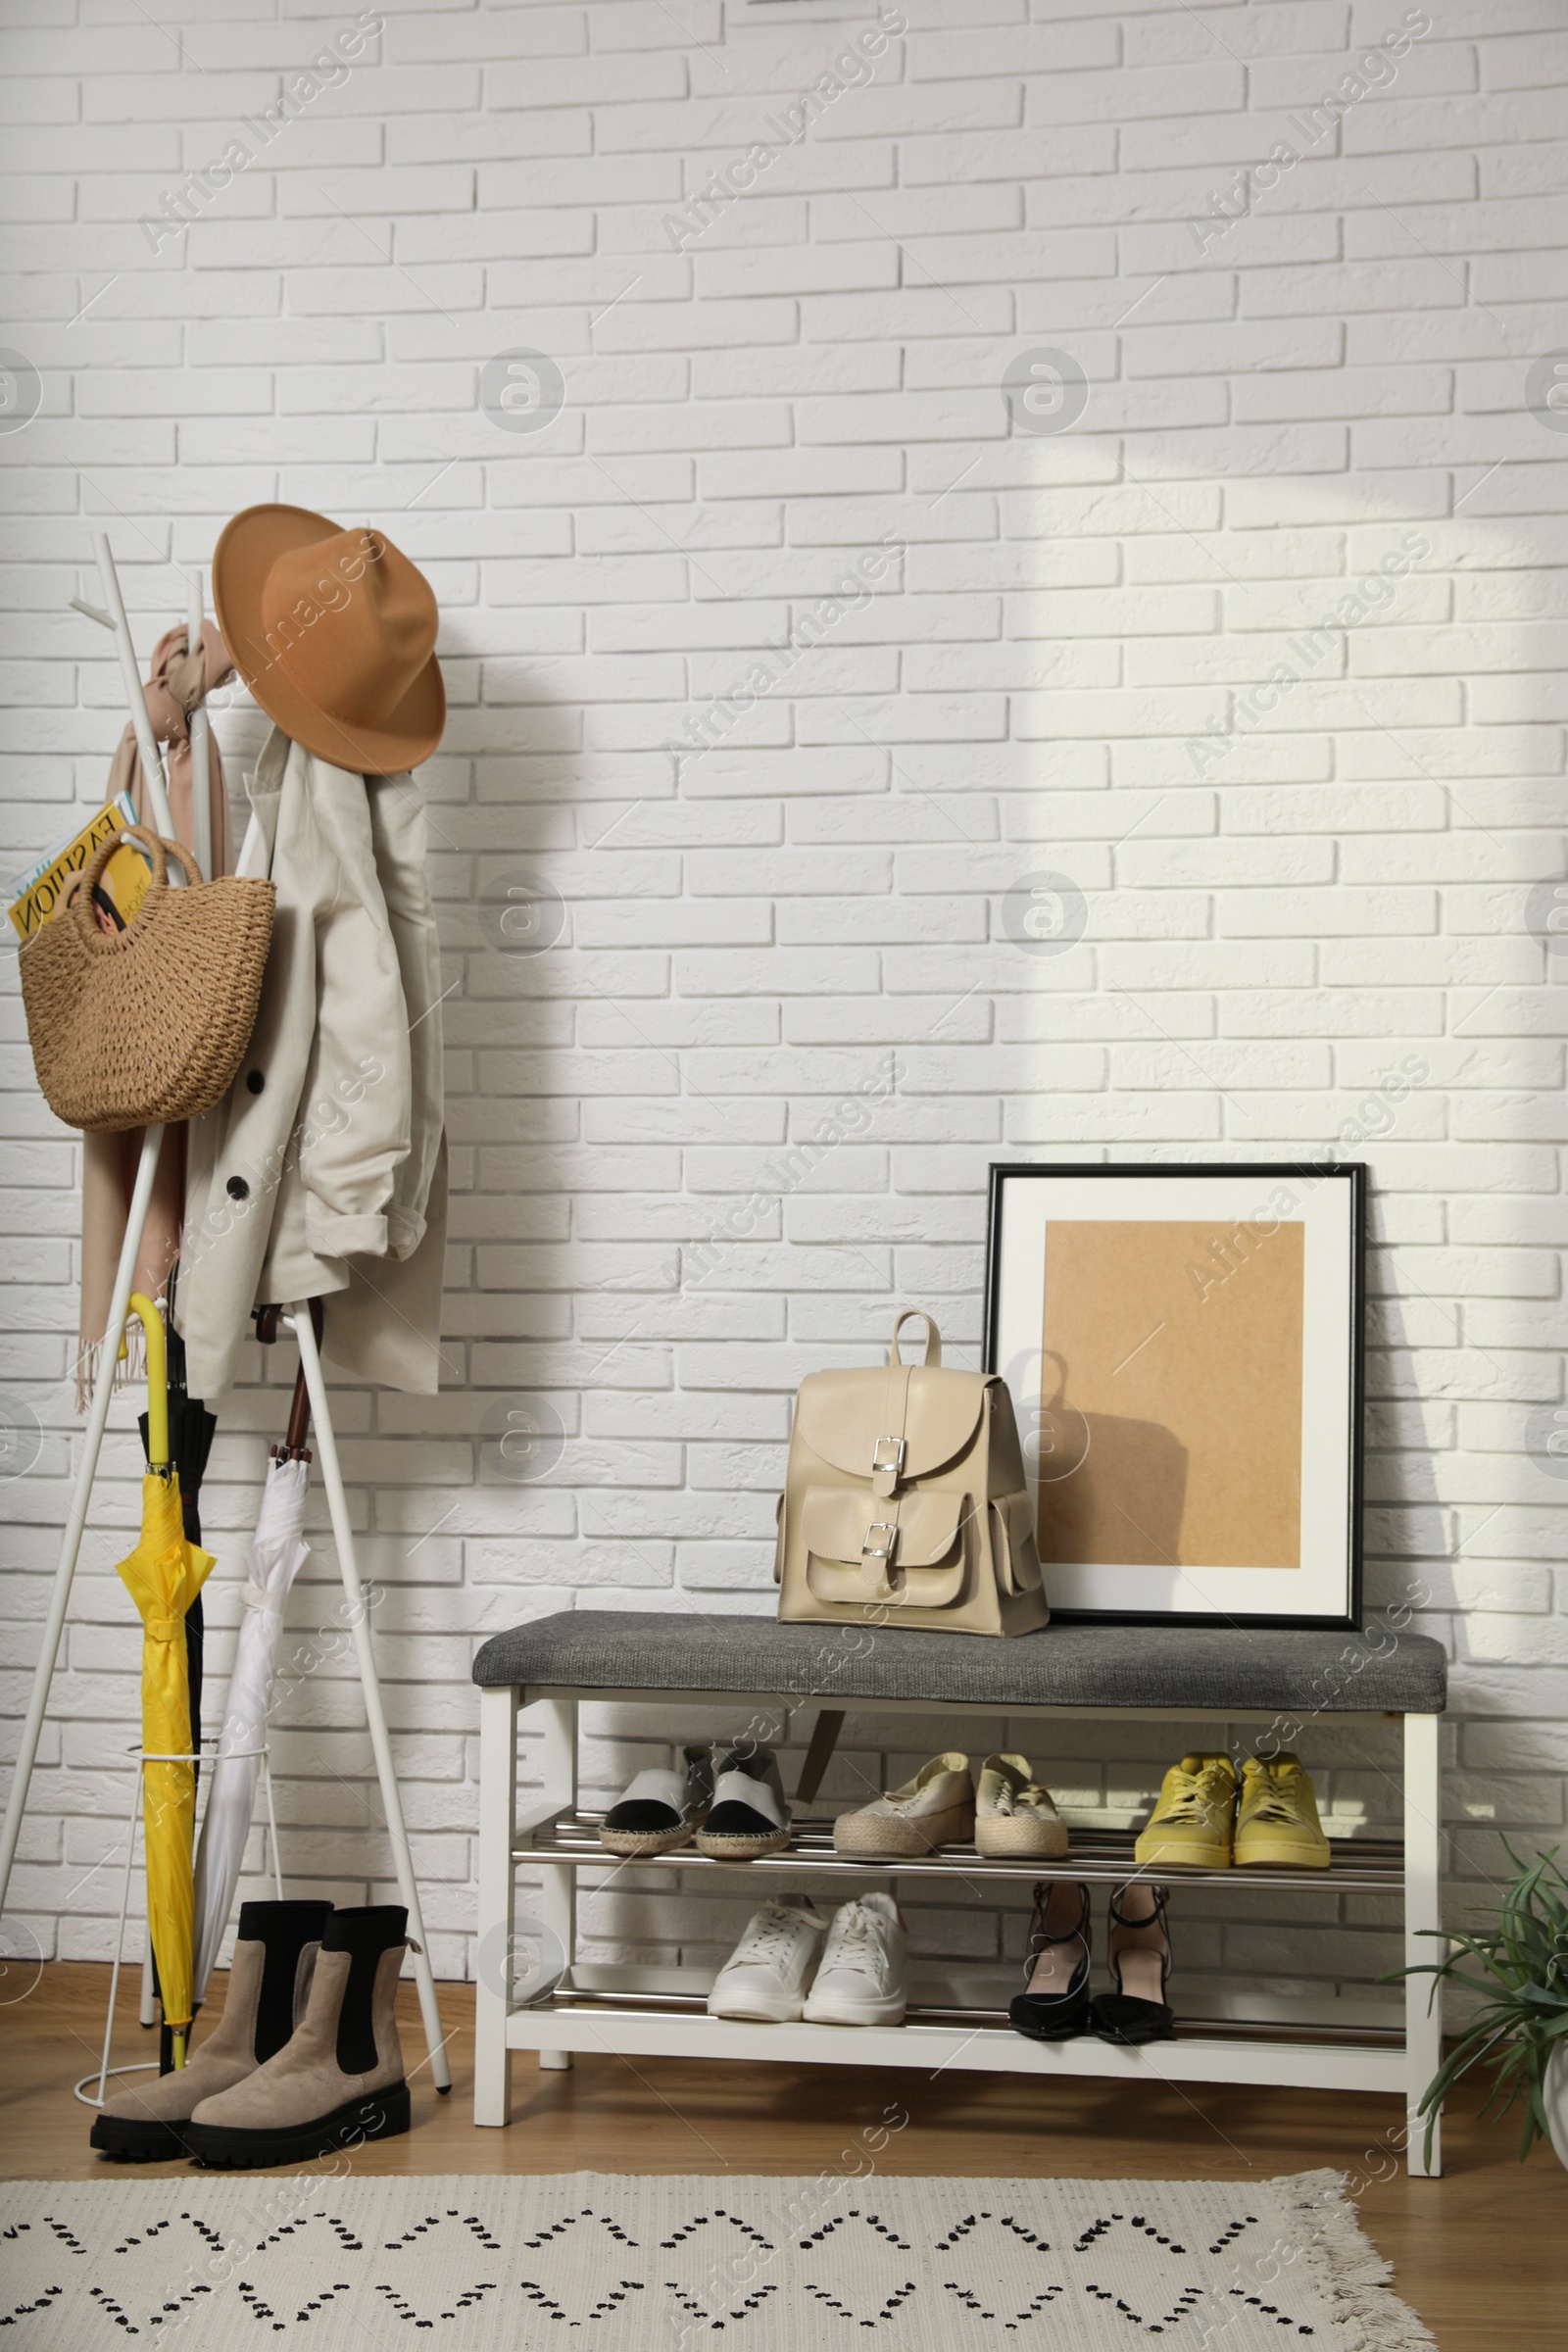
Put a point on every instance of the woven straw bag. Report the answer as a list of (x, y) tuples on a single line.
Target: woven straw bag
[(148, 1023)]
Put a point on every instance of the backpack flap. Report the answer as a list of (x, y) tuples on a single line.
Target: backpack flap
[(889, 1426), (913, 1550)]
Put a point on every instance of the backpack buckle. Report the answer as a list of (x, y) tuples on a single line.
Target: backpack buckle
[(880, 1465), (888, 1529)]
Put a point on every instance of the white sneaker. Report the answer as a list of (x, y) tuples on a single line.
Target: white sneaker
[(864, 1976), (767, 1973)]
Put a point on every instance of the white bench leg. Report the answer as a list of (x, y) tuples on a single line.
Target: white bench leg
[(1423, 2017), (558, 1900), (498, 1814)]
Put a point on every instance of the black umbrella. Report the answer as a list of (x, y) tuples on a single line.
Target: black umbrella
[(191, 1429)]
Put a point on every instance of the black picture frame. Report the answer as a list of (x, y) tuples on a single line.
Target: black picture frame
[(1355, 1176)]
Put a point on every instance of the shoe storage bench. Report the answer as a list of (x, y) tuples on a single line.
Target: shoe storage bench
[(554, 1664)]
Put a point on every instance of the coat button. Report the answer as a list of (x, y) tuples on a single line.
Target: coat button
[(237, 1188), (255, 1081)]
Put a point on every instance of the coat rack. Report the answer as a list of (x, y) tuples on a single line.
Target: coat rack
[(113, 618)]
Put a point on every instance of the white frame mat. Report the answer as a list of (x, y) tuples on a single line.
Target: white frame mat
[(1328, 1202)]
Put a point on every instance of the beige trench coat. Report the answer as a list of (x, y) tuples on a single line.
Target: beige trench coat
[(323, 1171)]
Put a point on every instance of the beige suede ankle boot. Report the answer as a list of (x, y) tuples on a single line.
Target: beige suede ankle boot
[(269, 1987), (340, 2081)]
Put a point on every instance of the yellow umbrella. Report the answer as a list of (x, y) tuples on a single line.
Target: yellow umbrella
[(164, 1575)]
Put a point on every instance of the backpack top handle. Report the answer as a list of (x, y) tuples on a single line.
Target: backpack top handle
[(933, 1337)]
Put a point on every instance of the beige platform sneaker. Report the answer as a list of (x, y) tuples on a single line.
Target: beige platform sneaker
[(935, 1808), (1014, 1815)]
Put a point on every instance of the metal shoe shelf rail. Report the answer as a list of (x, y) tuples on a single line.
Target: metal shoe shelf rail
[(113, 618), (537, 1677)]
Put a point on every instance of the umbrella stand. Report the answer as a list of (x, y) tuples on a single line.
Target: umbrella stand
[(151, 2065)]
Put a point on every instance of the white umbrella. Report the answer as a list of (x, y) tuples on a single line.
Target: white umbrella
[(277, 1552)]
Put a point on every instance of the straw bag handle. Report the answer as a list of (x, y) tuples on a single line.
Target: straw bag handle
[(155, 846)]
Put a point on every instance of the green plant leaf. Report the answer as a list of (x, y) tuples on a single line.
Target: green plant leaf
[(1523, 1986)]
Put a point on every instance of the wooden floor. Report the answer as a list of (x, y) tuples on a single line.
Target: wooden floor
[(1481, 2254)]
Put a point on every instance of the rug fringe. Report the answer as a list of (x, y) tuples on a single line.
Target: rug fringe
[(1353, 2277)]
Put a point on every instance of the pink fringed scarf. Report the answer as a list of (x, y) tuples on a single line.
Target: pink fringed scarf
[(180, 679)]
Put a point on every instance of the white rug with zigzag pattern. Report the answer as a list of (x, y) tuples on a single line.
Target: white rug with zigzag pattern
[(631, 2262)]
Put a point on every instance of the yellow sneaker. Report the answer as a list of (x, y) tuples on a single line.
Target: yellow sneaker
[(1191, 1826), (1278, 1823)]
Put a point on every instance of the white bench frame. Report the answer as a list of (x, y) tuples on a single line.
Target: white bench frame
[(558, 2027)]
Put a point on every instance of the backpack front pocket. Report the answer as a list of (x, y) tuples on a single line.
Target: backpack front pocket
[(914, 1551)]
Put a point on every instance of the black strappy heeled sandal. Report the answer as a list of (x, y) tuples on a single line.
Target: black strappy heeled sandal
[(1131, 2018), (1054, 2016)]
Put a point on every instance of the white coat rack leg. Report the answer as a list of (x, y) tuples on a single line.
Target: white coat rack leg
[(299, 1322), (201, 805), (77, 1517)]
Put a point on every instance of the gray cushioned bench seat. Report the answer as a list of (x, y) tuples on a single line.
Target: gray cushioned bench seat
[(1060, 1666)]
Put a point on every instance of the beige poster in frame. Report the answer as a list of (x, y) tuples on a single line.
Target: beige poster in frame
[(1184, 1351)]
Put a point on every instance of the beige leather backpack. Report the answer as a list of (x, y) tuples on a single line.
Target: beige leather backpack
[(905, 1502)]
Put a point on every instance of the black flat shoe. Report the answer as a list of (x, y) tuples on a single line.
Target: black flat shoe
[(1054, 2016), (1131, 2018)]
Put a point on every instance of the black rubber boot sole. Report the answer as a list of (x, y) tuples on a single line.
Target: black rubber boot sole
[(139, 2142), (380, 2115)]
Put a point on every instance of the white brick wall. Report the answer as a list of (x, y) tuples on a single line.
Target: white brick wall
[(1272, 929)]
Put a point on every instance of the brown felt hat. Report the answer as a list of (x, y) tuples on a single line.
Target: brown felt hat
[(334, 633)]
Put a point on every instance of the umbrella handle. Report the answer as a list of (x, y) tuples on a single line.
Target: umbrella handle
[(299, 1419), (152, 1323)]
